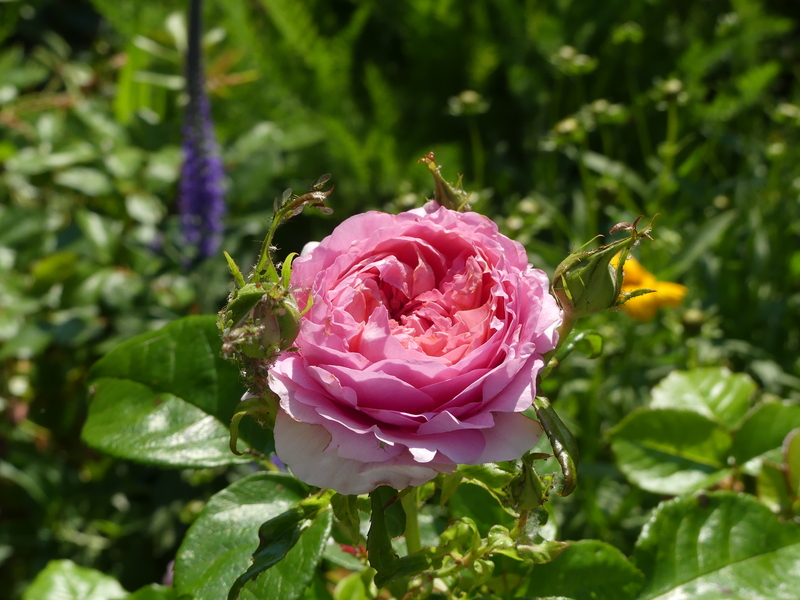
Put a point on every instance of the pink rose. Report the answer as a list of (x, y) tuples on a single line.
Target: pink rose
[(420, 352)]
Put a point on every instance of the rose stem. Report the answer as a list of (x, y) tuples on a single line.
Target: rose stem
[(409, 502)]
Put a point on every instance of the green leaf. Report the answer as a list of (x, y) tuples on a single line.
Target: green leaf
[(279, 535), (586, 570), (670, 451), (153, 592), (353, 587), (85, 180), (219, 545), (715, 546), (182, 361), (103, 234), (130, 420), (713, 392), (64, 580), (763, 431), (475, 502), (489, 476)]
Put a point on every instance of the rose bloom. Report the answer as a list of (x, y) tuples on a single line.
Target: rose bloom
[(419, 353)]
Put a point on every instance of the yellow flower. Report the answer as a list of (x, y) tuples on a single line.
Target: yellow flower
[(644, 308)]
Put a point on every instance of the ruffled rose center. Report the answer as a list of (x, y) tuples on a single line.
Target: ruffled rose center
[(444, 317)]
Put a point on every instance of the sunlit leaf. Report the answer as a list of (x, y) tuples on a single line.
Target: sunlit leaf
[(721, 545), (586, 570), (219, 545), (64, 580), (671, 451), (716, 393)]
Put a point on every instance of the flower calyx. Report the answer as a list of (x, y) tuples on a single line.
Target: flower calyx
[(589, 281), (447, 195), (261, 318)]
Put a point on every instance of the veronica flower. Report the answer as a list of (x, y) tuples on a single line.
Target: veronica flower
[(202, 193)]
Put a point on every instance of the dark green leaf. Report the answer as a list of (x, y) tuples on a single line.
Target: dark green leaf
[(670, 451), (219, 545), (181, 360), (279, 535), (715, 546), (713, 392), (64, 580), (392, 510), (586, 570), (128, 420), (762, 431)]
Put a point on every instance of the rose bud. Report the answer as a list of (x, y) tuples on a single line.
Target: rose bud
[(586, 282), (260, 321), (589, 281)]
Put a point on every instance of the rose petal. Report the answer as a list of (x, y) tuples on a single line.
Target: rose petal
[(303, 448)]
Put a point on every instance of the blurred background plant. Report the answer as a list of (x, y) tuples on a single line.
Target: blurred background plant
[(564, 117)]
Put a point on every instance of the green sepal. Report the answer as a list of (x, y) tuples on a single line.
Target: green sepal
[(262, 410), (540, 552), (565, 448), (286, 270), (234, 269), (244, 300), (445, 194), (625, 296)]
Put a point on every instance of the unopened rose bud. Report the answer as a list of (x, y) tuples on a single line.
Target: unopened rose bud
[(589, 281), (260, 321), (586, 282)]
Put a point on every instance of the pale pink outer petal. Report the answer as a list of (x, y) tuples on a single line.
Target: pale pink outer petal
[(303, 448), (512, 436)]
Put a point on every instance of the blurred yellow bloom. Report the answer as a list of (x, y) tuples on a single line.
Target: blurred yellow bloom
[(644, 308)]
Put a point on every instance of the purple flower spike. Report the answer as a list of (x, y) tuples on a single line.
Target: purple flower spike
[(202, 193)]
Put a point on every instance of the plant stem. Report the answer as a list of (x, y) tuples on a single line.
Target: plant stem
[(409, 502)]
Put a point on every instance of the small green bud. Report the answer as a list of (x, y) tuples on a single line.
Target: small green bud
[(589, 281), (586, 282), (268, 328)]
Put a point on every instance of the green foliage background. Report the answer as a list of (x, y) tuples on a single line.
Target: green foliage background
[(585, 115)]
